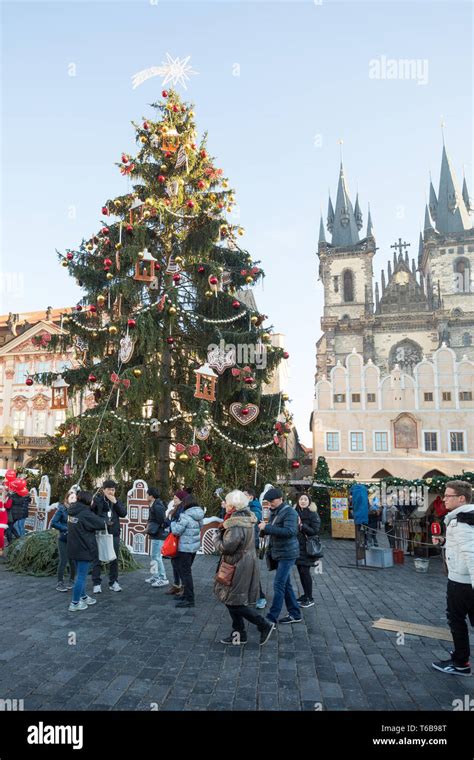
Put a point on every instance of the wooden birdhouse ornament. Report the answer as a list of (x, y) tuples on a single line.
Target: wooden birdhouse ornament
[(59, 393), (205, 383), (170, 142), (145, 267)]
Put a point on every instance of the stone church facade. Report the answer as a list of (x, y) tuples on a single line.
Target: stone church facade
[(419, 306)]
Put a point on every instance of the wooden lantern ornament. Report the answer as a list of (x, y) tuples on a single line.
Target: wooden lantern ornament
[(170, 142), (59, 391), (145, 267), (205, 383), (137, 206)]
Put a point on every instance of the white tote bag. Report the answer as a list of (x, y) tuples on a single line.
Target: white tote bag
[(105, 544)]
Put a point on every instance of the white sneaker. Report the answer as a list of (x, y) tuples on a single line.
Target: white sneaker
[(97, 589), (88, 600), (159, 583), (149, 580), (79, 606), (115, 587)]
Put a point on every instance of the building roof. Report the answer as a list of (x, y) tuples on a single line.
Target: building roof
[(345, 227), (31, 317), (450, 212)]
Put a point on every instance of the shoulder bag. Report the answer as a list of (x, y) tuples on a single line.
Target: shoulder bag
[(105, 545), (170, 546), (314, 550), (225, 573)]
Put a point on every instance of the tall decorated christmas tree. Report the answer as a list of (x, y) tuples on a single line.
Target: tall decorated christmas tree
[(167, 335)]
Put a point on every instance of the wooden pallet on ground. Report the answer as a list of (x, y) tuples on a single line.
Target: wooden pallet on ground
[(415, 629)]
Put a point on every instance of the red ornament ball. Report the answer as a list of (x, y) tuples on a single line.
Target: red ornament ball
[(201, 269), (161, 179), (295, 465), (286, 355), (207, 458), (105, 210), (249, 380), (92, 378), (164, 94), (167, 203), (93, 308), (146, 125), (175, 109), (190, 204), (213, 280), (124, 159), (244, 411), (132, 323), (201, 184), (107, 262), (78, 307), (176, 277), (236, 304), (105, 231), (29, 381), (129, 228), (170, 340), (69, 256), (203, 154)]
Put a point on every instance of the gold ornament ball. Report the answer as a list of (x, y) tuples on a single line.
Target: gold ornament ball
[(191, 114), (146, 214), (95, 334), (137, 372), (254, 319), (208, 293), (65, 320), (163, 168), (113, 330), (241, 231), (225, 184), (118, 204), (118, 246), (172, 310), (229, 208), (252, 463), (101, 300), (89, 247), (266, 337), (62, 449), (183, 457), (286, 435), (179, 259), (141, 254), (221, 269), (109, 276), (249, 279), (143, 139), (285, 396), (64, 263)]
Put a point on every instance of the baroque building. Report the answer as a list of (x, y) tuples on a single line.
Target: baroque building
[(419, 307)]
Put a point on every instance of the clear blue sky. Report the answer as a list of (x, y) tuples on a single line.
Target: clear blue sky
[(304, 72)]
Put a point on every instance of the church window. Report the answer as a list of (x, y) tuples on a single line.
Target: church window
[(462, 276), (332, 441), (336, 284), (456, 441), (348, 286), (446, 396), (339, 398), (465, 396), (381, 441), (450, 250), (371, 398), (357, 441), (356, 398), (407, 354), (431, 441), (467, 339), (428, 396), (442, 250)]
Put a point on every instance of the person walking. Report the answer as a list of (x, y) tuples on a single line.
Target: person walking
[(5, 507), (188, 528), (19, 512), (284, 550), (112, 509), (82, 546), (374, 517), (309, 524), (157, 531), (59, 522), (459, 544), (236, 544), (173, 515), (256, 509)]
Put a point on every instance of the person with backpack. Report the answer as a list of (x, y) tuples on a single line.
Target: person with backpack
[(459, 544), (112, 509), (282, 553), (59, 522), (256, 509), (156, 529), (309, 524), (82, 546), (238, 578), (188, 528)]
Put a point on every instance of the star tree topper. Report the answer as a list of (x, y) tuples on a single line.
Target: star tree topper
[(174, 71)]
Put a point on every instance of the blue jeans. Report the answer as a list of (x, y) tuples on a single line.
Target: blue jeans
[(157, 566), (283, 591), (19, 527), (79, 590)]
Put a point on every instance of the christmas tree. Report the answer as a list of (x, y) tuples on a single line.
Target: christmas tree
[(167, 335), (322, 474)]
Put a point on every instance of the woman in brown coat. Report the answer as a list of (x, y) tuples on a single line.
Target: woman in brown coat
[(236, 544)]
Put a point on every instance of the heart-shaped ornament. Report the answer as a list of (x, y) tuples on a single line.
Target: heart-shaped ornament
[(244, 419), (194, 450), (180, 448)]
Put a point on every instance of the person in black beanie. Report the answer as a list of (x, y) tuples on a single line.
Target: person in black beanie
[(107, 505)]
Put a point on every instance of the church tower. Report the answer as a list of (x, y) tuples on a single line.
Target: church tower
[(346, 272), (446, 259)]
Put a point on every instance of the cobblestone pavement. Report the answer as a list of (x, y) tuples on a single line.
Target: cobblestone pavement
[(136, 651)]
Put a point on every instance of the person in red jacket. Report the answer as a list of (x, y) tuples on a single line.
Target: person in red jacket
[(5, 504)]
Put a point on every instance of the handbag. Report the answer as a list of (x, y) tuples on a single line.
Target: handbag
[(314, 550), (105, 546), (152, 528), (225, 573), (272, 564), (170, 546)]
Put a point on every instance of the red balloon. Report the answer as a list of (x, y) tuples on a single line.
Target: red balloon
[(18, 484), (23, 492), (10, 475)]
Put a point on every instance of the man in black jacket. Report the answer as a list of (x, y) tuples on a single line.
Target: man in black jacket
[(108, 506), (157, 532)]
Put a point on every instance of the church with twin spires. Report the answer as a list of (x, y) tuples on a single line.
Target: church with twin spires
[(412, 331)]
